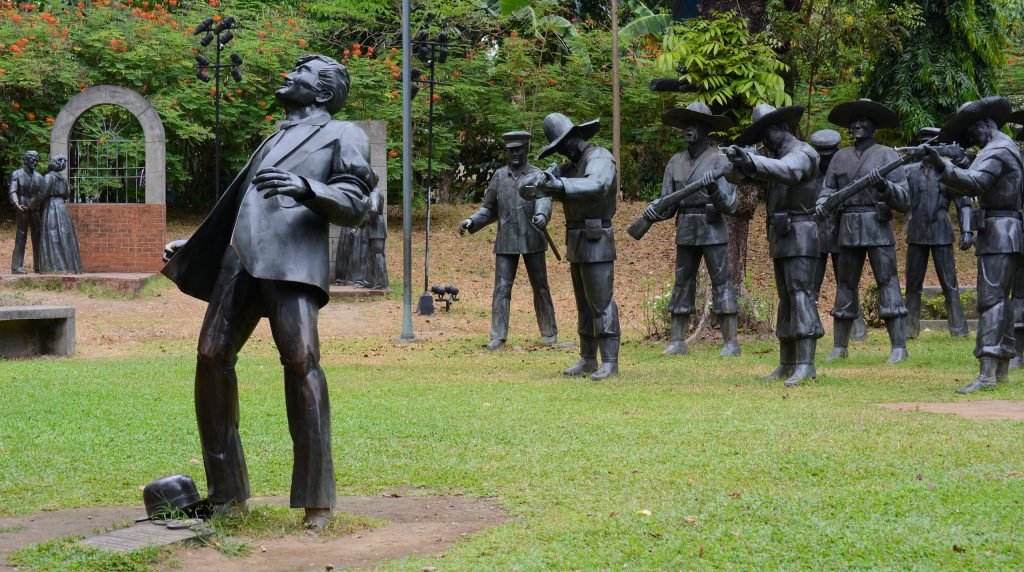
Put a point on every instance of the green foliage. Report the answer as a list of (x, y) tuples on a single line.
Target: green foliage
[(731, 70), (952, 58), (646, 24)]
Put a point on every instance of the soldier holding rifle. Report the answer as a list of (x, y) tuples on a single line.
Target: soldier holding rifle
[(700, 229), (788, 171), (929, 231), (586, 187), (865, 227), (994, 177), (826, 143)]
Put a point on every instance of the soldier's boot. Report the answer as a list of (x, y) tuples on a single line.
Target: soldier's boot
[(609, 359), (588, 358), (1002, 370), (986, 377), (897, 338), (841, 327), (957, 319), (550, 341), (914, 316), (860, 329), (677, 345), (787, 361), (1018, 346), (804, 369), (495, 344), (730, 345)]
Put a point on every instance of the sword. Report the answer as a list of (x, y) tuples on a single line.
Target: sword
[(551, 243)]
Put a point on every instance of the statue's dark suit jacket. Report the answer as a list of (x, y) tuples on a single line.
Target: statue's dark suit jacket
[(279, 238)]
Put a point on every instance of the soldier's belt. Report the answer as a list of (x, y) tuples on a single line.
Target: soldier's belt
[(581, 225), (693, 210), (999, 214), (858, 209)]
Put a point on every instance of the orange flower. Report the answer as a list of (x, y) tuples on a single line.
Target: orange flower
[(437, 97), (552, 81), (346, 53), (31, 116), (302, 42), (4, 126), (15, 105), (392, 153), (269, 118), (395, 75), (49, 121)]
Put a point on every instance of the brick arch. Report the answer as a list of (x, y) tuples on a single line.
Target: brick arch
[(152, 128)]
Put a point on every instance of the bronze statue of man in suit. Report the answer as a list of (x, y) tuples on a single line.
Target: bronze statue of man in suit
[(263, 251), (521, 224), (25, 192)]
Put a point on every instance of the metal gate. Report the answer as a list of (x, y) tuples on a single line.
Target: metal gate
[(107, 158)]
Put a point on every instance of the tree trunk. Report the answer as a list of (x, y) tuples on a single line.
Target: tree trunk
[(752, 10)]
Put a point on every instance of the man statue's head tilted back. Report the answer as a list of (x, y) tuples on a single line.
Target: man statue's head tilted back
[(316, 82)]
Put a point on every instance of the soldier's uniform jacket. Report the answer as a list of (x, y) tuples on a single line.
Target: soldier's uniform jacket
[(865, 219), (27, 188), (792, 185), (827, 225), (699, 217), (928, 220), (995, 178), (514, 214), (589, 205)]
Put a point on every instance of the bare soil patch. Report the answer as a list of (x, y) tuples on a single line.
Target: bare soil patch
[(979, 410), (417, 526)]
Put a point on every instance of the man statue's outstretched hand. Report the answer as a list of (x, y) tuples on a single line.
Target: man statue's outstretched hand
[(171, 248), (272, 182), (465, 225)]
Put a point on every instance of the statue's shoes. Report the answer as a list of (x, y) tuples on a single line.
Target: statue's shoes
[(495, 344), (230, 509), (607, 369), (801, 372), (730, 349), (585, 366), (316, 519), (550, 341), (781, 372), (837, 353), (977, 385), (19, 271), (676, 348), (898, 355)]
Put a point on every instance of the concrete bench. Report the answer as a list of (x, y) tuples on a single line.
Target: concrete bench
[(37, 330)]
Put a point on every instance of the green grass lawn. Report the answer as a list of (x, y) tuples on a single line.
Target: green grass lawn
[(735, 473)]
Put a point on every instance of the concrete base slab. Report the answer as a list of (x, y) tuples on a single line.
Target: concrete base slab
[(943, 325), (125, 282), (145, 534), (347, 291), (979, 410)]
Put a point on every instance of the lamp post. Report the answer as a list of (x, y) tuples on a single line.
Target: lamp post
[(432, 52), (221, 34)]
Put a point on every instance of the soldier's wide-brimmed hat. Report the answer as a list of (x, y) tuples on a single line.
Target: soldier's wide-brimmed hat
[(516, 138), (844, 113), (927, 133), (1017, 117), (765, 115), (557, 127), (994, 107), (697, 111), (825, 141)]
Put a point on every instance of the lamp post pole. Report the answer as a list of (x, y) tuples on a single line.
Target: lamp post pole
[(407, 333), (222, 34)]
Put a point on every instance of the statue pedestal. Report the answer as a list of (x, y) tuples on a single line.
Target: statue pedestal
[(342, 292)]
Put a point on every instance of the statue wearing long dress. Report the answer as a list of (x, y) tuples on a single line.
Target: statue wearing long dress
[(58, 243)]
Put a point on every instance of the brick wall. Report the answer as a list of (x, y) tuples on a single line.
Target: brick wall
[(120, 237)]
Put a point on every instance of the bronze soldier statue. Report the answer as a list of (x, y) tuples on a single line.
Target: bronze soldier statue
[(26, 194), (929, 231), (865, 227), (376, 228), (994, 177), (263, 251), (826, 143), (700, 229), (586, 187), (521, 231), (1018, 278), (789, 171)]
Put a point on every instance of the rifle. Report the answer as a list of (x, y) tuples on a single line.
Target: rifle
[(910, 155), (641, 225)]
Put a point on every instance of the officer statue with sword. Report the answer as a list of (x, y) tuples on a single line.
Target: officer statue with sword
[(700, 229), (522, 230), (865, 197), (586, 187)]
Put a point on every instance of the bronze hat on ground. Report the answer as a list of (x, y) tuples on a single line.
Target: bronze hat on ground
[(765, 115), (172, 496), (844, 113), (697, 111), (995, 107), (557, 127)]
